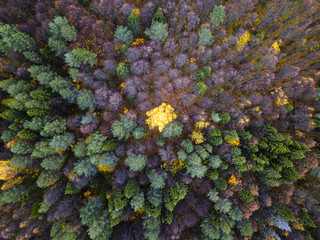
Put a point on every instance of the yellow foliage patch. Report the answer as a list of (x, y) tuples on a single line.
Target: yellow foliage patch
[(173, 166), (160, 116), (105, 169), (233, 180), (197, 137), (276, 45), (10, 183), (243, 40), (282, 98), (233, 143), (7, 172), (137, 41), (136, 11)]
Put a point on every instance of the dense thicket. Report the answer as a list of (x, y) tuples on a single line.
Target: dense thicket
[(159, 120)]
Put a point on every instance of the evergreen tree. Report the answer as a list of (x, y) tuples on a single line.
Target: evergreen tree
[(134, 24), (217, 15), (136, 162), (95, 143), (205, 37), (123, 70), (157, 31), (13, 195), (172, 129), (85, 100), (123, 34), (157, 180), (79, 56)]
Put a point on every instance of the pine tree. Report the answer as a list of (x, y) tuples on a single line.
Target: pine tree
[(21, 148), (13, 195), (157, 31), (123, 34), (134, 24), (217, 15), (123, 70), (79, 56), (62, 142), (85, 167), (95, 143), (47, 178), (136, 162), (172, 129), (137, 201), (157, 180), (205, 37), (131, 189), (85, 100)]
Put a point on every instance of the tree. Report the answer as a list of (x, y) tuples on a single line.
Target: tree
[(134, 24), (79, 56), (47, 178), (157, 180), (122, 129), (80, 149), (223, 205), (201, 87), (100, 228), (85, 100), (136, 162), (123, 34), (95, 143), (245, 228), (123, 70), (62, 142), (13, 195), (57, 46), (137, 201), (172, 129), (53, 162), (205, 37), (217, 15), (91, 210), (174, 194), (213, 195), (21, 148), (139, 133), (157, 31), (159, 17), (52, 128), (131, 189), (85, 167)]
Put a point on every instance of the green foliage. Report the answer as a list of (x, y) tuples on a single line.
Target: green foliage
[(205, 37), (159, 17), (174, 194), (245, 228), (225, 117), (95, 143), (85, 100), (19, 161), (157, 180), (53, 162), (157, 31), (123, 34), (131, 189), (139, 133), (245, 195), (136, 162), (307, 221), (215, 161), (245, 135), (195, 167), (91, 210), (214, 137), (100, 227), (13, 195), (284, 212), (151, 226), (117, 200), (44, 207), (201, 87), (47, 178), (32, 56), (62, 142), (80, 150), (217, 15), (137, 201), (206, 70), (69, 33), (200, 75), (154, 197), (21, 148), (57, 46), (221, 184), (12, 40), (134, 24), (8, 135), (172, 129), (62, 230), (188, 146), (79, 56), (123, 70), (85, 167), (42, 149), (110, 145), (71, 189), (223, 205), (121, 129), (52, 128), (213, 195)]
